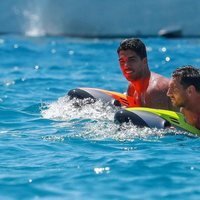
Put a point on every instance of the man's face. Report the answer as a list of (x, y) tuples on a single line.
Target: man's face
[(177, 93), (131, 64)]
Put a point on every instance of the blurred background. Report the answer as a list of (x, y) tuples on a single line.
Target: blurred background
[(106, 18)]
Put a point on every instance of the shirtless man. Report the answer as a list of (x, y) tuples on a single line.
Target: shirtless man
[(184, 91), (148, 89)]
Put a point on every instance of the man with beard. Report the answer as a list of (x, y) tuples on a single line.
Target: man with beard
[(184, 92), (148, 89)]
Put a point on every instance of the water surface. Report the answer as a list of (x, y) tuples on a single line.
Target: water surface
[(50, 150)]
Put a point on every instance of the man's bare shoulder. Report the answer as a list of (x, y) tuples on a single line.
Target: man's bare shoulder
[(159, 77), (158, 83)]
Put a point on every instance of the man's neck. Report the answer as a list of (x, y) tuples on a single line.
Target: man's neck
[(142, 84), (194, 106)]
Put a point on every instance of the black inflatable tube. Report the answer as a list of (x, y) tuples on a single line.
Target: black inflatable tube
[(141, 119)]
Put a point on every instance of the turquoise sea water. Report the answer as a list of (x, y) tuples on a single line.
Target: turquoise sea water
[(50, 150)]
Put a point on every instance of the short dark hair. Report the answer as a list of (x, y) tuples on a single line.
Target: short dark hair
[(188, 75), (135, 45)]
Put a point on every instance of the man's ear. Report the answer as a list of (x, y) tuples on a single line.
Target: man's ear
[(191, 90)]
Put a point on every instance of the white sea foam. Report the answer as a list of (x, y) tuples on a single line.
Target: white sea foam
[(65, 109), (95, 122)]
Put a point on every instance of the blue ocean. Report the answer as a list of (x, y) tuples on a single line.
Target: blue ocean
[(52, 150)]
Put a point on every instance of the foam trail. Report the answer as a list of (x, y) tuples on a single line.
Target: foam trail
[(65, 109), (95, 122)]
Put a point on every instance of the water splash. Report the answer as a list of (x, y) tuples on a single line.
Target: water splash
[(33, 15), (95, 122), (126, 132), (65, 109), (34, 27)]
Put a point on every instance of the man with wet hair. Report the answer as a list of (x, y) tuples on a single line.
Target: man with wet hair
[(184, 92), (148, 89)]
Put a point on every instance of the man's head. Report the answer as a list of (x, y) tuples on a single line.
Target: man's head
[(184, 85), (135, 45), (133, 59)]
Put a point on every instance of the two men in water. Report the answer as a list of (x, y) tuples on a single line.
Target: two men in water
[(155, 91), (148, 89), (184, 92)]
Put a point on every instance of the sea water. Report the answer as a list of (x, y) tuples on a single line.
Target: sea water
[(52, 150)]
